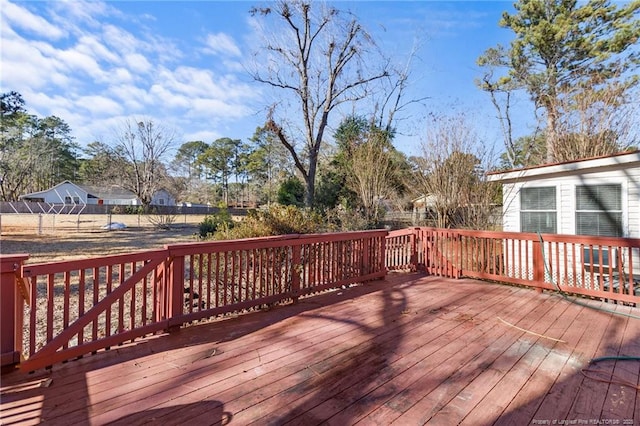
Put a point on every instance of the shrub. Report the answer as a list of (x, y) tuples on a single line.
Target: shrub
[(221, 220), (135, 210), (341, 219), (276, 220), (291, 192), (160, 220)]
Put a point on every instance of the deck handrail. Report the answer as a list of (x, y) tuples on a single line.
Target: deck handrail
[(85, 305), (576, 264), (110, 300)]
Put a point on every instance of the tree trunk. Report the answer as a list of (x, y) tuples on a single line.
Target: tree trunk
[(552, 133), (309, 194)]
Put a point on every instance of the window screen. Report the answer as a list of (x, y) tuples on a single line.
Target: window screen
[(538, 210), (599, 210)]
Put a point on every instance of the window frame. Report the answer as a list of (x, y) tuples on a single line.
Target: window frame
[(553, 211), (618, 212)]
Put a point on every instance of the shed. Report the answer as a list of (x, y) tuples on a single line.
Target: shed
[(596, 196)]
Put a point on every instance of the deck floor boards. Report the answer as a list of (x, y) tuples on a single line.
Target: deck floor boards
[(407, 350)]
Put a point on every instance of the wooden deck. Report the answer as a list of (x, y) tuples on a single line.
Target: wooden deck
[(409, 350)]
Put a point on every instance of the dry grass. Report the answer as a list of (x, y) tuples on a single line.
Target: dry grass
[(67, 245)]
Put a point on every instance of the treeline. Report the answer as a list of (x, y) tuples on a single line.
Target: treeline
[(35, 153), (360, 176), (362, 172)]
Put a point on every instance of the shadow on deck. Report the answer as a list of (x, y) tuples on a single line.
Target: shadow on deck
[(407, 350)]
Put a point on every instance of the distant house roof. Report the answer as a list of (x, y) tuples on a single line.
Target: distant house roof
[(105, 193), (597, 164), (94, 194)]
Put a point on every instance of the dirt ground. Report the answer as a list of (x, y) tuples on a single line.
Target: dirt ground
[(65, 243)]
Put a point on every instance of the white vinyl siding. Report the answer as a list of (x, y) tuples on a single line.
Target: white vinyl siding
[(621, 169)]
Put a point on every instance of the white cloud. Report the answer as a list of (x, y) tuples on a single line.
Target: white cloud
[(74, 60), (99, 106), (216, 108), (44, 105), (13, 14), (221, 43), (120, 40), (189, 81), (73, 13), (24, 66), (207, 136), (233, 66), (103, 72), (166, 98), (134, 98), (120, 76), (198, 82), (90, 45), (137, 63)]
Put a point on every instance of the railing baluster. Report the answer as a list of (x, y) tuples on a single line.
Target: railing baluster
[(121, 280), (132, 300), (66, 304), (33, 281), (81, 292), (50, 298)]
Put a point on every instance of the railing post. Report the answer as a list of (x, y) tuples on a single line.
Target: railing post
[(175, 291), (538, 264), (296, 271), (12, 312)]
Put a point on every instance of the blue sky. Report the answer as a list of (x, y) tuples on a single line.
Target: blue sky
[(95, 64)]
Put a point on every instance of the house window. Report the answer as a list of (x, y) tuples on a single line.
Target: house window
[(538, 210), (599, 210), (72, 200)]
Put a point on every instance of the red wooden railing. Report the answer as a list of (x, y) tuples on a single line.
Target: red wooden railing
[(226, 276), (77, 307), (81, 306), (401, 251), (600, 267)]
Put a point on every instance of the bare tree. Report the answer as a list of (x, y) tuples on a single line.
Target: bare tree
[(373, 176), (143, 145), (501, 91), (323, 58), (391, 100), (450, 173)]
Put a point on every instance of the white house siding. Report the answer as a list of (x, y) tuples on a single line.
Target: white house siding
[(70, 193), (622, 169), (163, 198), (121, 202), (511, 210), (566, 199), (633, 201), (59, 193)]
